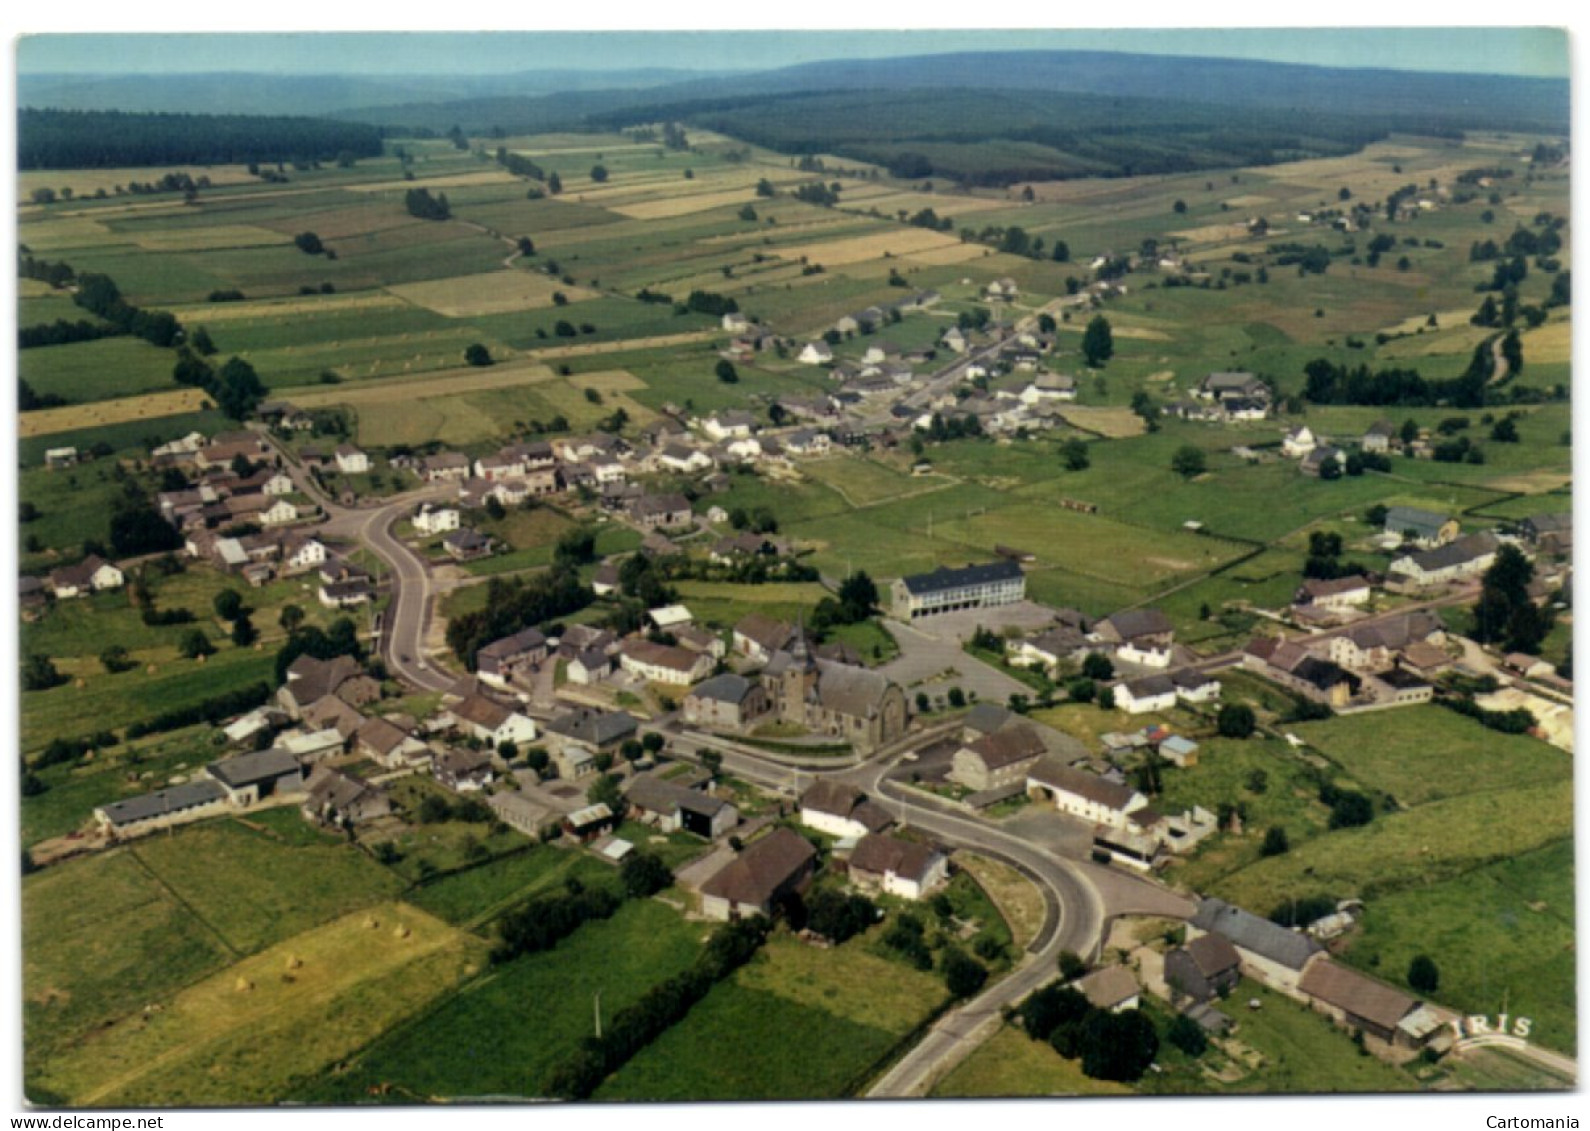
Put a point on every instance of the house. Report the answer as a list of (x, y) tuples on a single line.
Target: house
[(467, 545), (1050, 648), (672, 807), (433, 519), (752, 883), (726, 702), (1001, 289), (985, 719), (1049, 387), (735, 424), (174, 805), (351, 460), (1399, 688), (391, 745), (342, 594), (597, 731), (57, 458), (841, 810), (1316, 461), (947, 590), (278, 483), (1469, 556), (816, 353), (605, 581), (1138, 636), (1110, 988), (251, 778), (492, 722), (682, 459), (1227, 386), (464, 771), (1269, 953), (807, 442), (659, 512), (1549, 533), (1086, 796), (954, 339), (734, 322), (521, 812), (91, 575), (826, 697), (1335, 594), (997, 760), (1204, 969), (757, 637), (497, 663), (1422, 528), (1148, 693), (310, 680), (1360, 1002), (667, 618), (301, 553), (589, 666), (1194, 686), (315, 746), (1298, 442), (445, 467), (906, 868), (1379, 436), (342, 799), (663, 663)]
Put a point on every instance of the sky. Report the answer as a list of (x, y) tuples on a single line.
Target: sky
[(1520, 51)]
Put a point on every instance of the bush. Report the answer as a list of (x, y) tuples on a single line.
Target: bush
[(1047, 1009), (1118, 1046), (838, 917), (1235, 721), (644, 875), (1187, 1035), (963, 974), (1423, 975), (1275, 842)]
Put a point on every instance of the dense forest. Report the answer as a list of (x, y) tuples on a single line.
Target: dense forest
[(111, 139)]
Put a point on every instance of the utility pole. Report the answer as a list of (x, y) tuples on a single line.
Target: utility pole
[(597, 1004)]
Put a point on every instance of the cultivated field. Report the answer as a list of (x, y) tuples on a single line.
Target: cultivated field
[(495, 293)]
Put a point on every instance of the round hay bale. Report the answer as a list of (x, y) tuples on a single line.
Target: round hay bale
[(371, 922), (243, 985), (151, 669), (400, 932), (294, 962), (80, 683)]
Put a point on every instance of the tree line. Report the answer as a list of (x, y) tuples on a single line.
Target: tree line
[(112, 139)]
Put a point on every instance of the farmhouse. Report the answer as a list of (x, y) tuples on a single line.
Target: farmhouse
[(731, 425), (432, 519), (589, 666), (1111, 988), (492, 722), (1049, 387), (1298, 442), (1227, 385), (597, 731), (521, 812), (1422, 528), (997, 760), (91, 575), (1138, 636), (1296, 668), (807, 442), (671, 807), (816, 353), (1150, 693), (390, 744), (779, 864), (351, 460), (497, 663), (1469, 556), (841, 810), (725, 702), (1270, 954), (947, 590), (310, 680), (860, 706), (340, 798), (464, 771), (1051, 648), (663, 663), (905, 868), (445, 467), (660, 512), (1318, 461), (1335, 594), (1086, 796), (174, 805), (1549, 533), (1379, 436), (467, 545), (1206, 968)]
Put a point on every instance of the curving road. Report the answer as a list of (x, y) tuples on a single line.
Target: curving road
[(409, 612)]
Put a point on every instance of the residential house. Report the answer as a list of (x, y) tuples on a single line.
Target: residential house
[(492, 722), (589, 666), (1298, 442), (753, 882), (906, 868), (434, 519), (1226, 386), (1051, 648), (757, 637), (1194, 686), (997, 760), (391, 745), (351, 460), (301, 553), (954, 339), (1001, 289), (1206, 968), (91, 575), (816, 353), (659, 512), (600, 732), (1379, 436), (1269, 953), (672, 807), (663, 663), (1110, 988), (343, 799), (310, 680), (807, 442), (841, 810), (463, 770), (467, 545), (344, 594), (445, 467), (1086, 796), (1049, 387), (1467, 557), (497, 663), (946, 590), (1138, 636), (1336, 594), (1316, 461), (682, 459), (1422, 528), (726, 702), (735, 424), (1295, 667), (1550, 534)]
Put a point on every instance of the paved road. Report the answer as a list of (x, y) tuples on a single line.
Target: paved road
[(408, 614)]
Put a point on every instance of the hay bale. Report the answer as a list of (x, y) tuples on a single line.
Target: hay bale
[(371, 922), (400, 932), (243, 985), (294, 962)]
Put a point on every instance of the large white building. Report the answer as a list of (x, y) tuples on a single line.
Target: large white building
[(947, 590)]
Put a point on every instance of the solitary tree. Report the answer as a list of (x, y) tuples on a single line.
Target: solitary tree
[(1235, 720), (1098, 343), (477, 354), (1275, 841), (195, 644), (1074, 454), (598, 173), (1423, 975), (292, 616), (1189, 461), (309, 243), (726, 372)]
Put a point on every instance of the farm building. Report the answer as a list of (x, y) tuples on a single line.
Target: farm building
[(841, 810), (1205, 968), (672, 807), (1086, 796), (908, 869), (1369, 1006), (1270, 954), (1111, 988), (1469, 556), (463, 770), (492, 722), (497, 663), (1138, 636), (250, 778), (91, 575), (337, 797), (779, 864), (997, 760), (663, 663), (174, 805), (1422, 528), (726, 702)]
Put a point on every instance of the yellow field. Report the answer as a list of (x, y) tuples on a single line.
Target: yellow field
[(239, 1036), (890, 203), (1212, 233), (496, 292), (609, 381), (59, 232), (684, 205), (950, 254), (452, 180), (1252, 200), (448, 382), (86, 182), (150, 406), (860, 249), (210, 238), (1549, 343), (34, 288), (1111, 422), (625, 345), (212, 312), (1445, 319), (569, 400)]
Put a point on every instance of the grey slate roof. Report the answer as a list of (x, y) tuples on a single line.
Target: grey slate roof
[(946, 578), (1133, 623), (1457, 553), (725, 688), (1423, 523), (163, 801), (1251, 933), (598, 728), (986, 717), (259, 766), (876, 853), (1083, 784)]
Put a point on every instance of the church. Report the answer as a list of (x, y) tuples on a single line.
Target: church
[(829, 698)]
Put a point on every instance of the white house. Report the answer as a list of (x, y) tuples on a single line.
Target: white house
[(807, 442), (735, 322), (733, 425), (664, 663), (746, 449), (1151, 693), (954, 339), (279, 484), (841, 810), (492, 722), (1299, 442), (816, 353), (278, 513), (1086, 796), (677, 457), (1049, 387), (92, 575), (430, 519), (908, 869), (352, 461)]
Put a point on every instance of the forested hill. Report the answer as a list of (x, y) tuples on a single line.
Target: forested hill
[(108, 139)]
